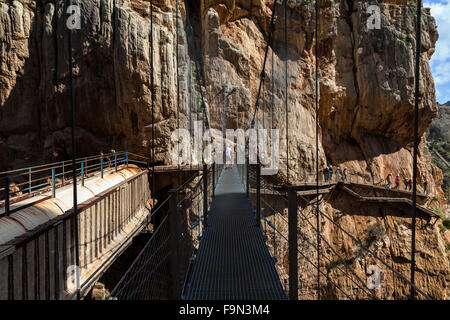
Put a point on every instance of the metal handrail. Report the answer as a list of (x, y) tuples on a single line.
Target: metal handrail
[(57, 174)]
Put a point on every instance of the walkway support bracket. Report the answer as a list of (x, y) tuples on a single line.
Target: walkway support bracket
[(174, 259), (205, 196), (293, 248)]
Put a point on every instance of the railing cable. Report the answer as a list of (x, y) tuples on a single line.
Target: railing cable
[(317, 140), (74, 153), (263, 72), (152, 90), (416, 142)]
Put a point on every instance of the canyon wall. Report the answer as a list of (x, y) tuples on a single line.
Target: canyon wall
[(366, 80), (111, 55)]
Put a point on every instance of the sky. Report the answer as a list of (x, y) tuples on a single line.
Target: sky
[(440, 61)]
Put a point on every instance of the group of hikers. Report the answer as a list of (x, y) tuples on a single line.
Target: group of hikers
[(408, 182), (328, 174)]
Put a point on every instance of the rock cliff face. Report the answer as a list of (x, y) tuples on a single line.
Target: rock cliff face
[(366, 79), (111, 78)]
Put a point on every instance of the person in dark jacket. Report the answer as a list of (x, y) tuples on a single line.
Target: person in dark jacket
[(397, 182), (410, 184), (345, 174), (325, 174)]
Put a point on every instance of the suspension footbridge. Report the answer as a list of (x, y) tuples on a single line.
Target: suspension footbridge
[(214, 233)]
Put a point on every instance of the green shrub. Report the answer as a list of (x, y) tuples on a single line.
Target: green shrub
[(446, 223)]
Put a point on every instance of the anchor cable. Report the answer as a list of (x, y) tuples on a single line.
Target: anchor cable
[(416, 144)]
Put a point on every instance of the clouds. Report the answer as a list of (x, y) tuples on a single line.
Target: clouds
[(440, 62)]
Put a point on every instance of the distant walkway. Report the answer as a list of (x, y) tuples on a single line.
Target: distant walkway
[(233, 261), (390, 200)]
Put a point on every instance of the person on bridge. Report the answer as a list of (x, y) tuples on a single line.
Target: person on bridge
[(228, 159), (337, 173), (330, 170), (389, 180), (344, 174), (410, 184), (397, 182), (425, 187), (406, 182), (325, 174)]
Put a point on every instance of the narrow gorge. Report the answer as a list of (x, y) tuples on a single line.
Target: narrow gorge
[(366, 108)]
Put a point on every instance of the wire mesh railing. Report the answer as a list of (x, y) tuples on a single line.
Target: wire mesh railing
[(162, 268), (302, 250), (19, 184)]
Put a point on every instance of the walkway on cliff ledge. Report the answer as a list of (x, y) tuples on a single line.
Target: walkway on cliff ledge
[(233, 261)]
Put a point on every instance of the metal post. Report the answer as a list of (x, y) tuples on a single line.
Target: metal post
[(7, 195), (292, 237), (63, 172), (126, 158), (53, 183), (82, 173), (101, 167), (213, 178), (225, 88), (247, 174), (205, 196), (115, 162), (174, 280), (258, 195), (29, 180)]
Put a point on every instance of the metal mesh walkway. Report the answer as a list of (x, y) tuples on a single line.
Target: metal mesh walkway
[(233, 261)]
